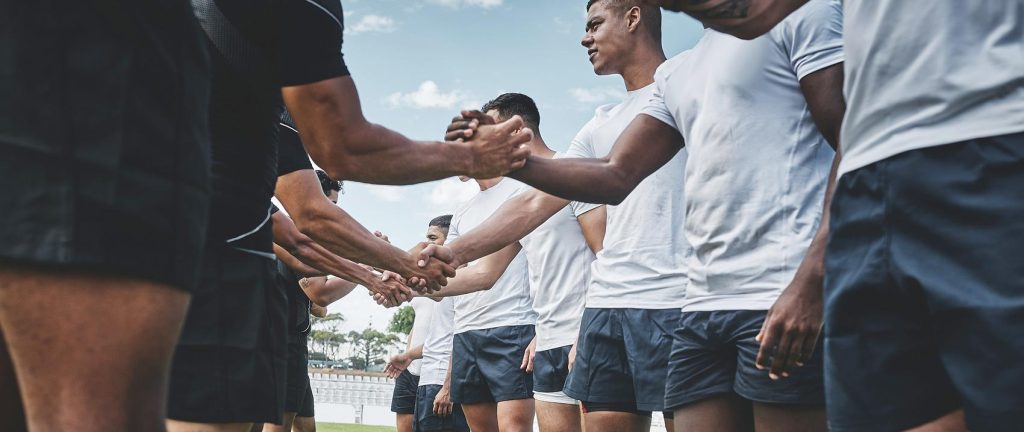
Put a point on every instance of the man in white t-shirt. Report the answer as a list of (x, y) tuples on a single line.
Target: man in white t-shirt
[(757, 118), (405, 367), (559, 264), (639, 278), (924, 311)]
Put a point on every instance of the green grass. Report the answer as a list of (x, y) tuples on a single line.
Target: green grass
[(338, 427)]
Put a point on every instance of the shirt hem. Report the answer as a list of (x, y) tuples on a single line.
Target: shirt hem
[(721, 304)]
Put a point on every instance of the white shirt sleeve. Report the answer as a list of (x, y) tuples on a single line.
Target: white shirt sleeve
[(582, 146), (656, 107), (812, 36)]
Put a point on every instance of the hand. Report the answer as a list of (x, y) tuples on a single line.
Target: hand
[(572, 355), (382, 236), (498, 149), (528, 355), (464, 126), (397, 364), (442, 253), (391, 287), (791, 328), (428, 276), (317, 310), (443, 402)]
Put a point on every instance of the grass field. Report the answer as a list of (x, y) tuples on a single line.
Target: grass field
[(338, 427)]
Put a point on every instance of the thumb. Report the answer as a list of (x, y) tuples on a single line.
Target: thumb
[(510, 125)]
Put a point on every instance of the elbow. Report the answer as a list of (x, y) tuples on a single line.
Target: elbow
[(617, 192), (321, 300)]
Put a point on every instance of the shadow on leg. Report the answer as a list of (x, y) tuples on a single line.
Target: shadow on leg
[(789, 418), (613, 421), (724, 413)]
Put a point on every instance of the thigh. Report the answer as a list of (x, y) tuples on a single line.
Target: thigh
[(959, 221), (805, 385), (726, 413), (481, 417), (769, 417), (601, 372), (118, 332), (883, 369), (555, 417), (516, 415), (500, 355), (701, 364)]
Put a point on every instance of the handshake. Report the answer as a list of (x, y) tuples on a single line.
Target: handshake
[(429, 270)]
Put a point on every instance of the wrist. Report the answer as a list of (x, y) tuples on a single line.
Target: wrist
[(461, 157)]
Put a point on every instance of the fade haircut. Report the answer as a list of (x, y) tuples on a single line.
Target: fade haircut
[(442, 222), (516, 104), (327, 184), (650, 16)]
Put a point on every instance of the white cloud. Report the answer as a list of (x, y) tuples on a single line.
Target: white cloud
[(374, 23), (448, 194), (486, 4), (429, 95), (596, 95), (387, 193)]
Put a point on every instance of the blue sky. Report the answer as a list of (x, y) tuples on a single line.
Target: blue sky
[(417, 62)]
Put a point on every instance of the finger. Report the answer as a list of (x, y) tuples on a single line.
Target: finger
[(807, 350), (781, 354), (425, 255), (480, 116), (526, 360), (529, 364), (768, 339), (448, 408), (794, 351), (447, 269), (511, 125), (764, 326)]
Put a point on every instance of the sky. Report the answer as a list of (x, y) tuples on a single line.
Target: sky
[(416, 63)]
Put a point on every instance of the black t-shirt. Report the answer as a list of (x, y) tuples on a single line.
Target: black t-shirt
[(298, 303), (258, 46), (291, 155)]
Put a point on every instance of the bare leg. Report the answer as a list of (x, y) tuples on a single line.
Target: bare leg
[(670, 425), (515, 415), (482, 417), (119, 334), (558, 417), (404, 422), (285, 426), (180, 426), (304, 424), (612, 421), (952, 422), (789, 418), (725, 413), (12, 415)]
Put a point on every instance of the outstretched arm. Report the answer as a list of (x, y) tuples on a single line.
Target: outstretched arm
[(323, 291), (482, 275), (337, 136), (646, 145), (745, 19)]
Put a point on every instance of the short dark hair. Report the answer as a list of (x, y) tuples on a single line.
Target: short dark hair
[(326, 183), (516, 104), (442, 222), (649, 15)]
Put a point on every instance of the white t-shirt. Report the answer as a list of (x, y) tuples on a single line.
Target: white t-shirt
[(923, 73), (559, 261), (508, 302), (437, 347), (424, 309), (758, 165), (643, 263)]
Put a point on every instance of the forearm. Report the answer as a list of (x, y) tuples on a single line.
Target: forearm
[(294, 263), (338, 233), (745, 19), (482, 275), (509, 224), (415, 352), (813, 264), (586, 180), (322, 291)]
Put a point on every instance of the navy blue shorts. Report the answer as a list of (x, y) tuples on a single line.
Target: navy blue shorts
[(426, 421), (714, 354), (924, 294), (622, 358), (550, 368), (297, 375), (403, 400), (486, 365)]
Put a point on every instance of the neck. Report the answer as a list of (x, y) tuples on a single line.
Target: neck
[(488, 183), (639, 71), (539, 148)]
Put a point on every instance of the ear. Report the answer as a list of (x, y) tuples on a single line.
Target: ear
[(633, 19)]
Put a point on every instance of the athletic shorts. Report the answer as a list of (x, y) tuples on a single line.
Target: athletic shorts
[(550, 368), (622, 358), (297, 378), (308, 408), (486, 365), (231, 361), (924, 294), (714, 354), (426, 421), (403, 400), (104, 144)]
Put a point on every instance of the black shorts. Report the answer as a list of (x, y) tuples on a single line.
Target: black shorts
[(622, 358), (231, 361), (104, 145), (297, 379), (424, 419), (924, 294), (308, 407), (714, 354), (403, 400), (486, 365), (550, 368)]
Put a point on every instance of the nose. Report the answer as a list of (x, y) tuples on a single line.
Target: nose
[(587, 41)]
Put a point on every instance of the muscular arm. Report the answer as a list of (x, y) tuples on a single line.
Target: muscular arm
[(745, 19), (300, 269), (646, 145), (512, 221), (307, 258), (322, 291), (482, 275), (337, 136)]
